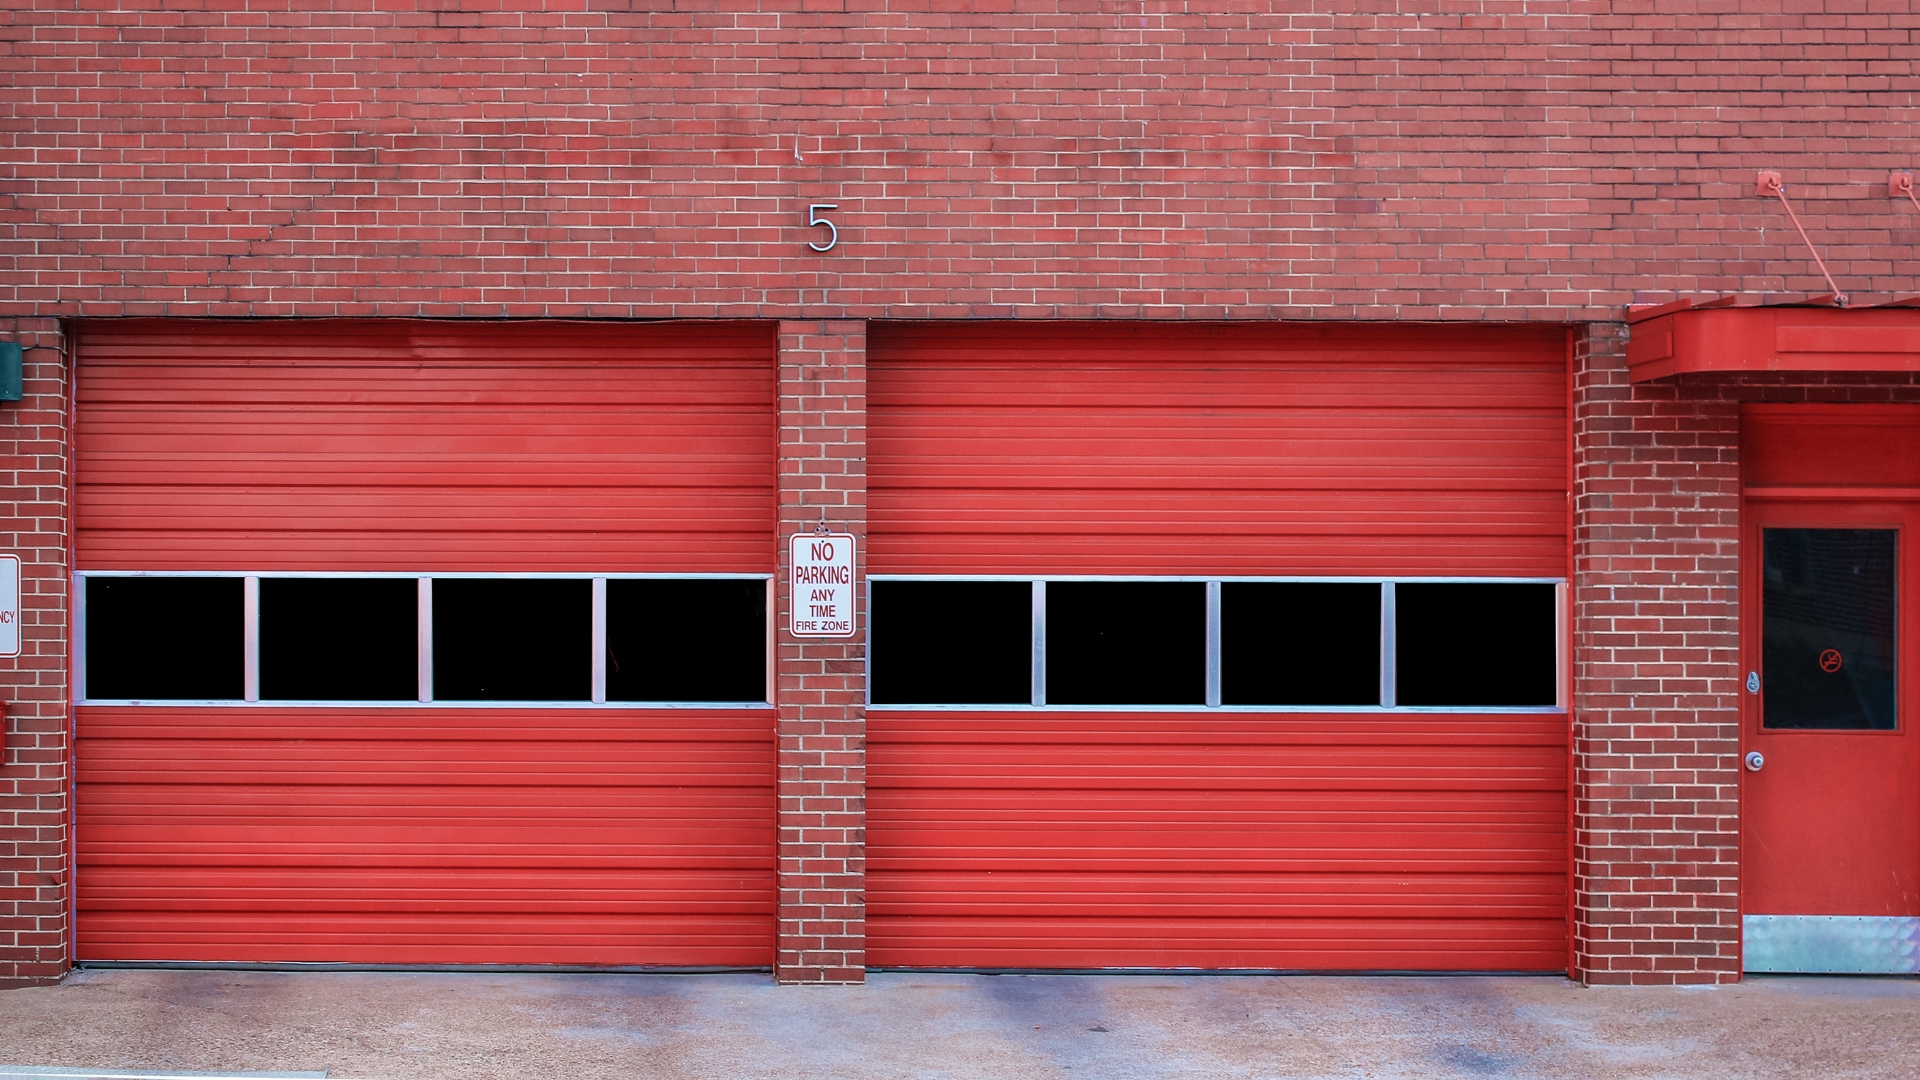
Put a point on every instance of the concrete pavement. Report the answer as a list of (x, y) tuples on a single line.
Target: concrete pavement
[(939, 1026)]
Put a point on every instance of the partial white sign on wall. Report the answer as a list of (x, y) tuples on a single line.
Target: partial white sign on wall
[(820, 585), (9, 605)]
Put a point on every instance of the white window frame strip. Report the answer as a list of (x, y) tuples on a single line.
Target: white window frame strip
[(423, 641), (1038, 671), (1562, 661), (598, 693), (773, 640), (1389, 645), (77, 647), (1213, 645), (250, 637), (250, 620)]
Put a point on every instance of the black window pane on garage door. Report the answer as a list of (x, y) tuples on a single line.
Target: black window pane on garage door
[(951, 642), (165, 638), (512, 640), (684, 639), (1469, 644), (1126, 643), (1299, 643), (339, 639)]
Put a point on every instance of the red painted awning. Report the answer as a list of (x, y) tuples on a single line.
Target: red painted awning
[(1721, 336)]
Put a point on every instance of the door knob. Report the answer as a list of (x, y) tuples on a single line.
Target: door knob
[(1754, 761)]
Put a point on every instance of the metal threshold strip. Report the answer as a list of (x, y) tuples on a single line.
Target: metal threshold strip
[(450, 969), (1183, 972), (1832, 944)]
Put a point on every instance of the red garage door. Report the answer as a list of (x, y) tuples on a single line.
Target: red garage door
[(1221, 647), (368, 653)]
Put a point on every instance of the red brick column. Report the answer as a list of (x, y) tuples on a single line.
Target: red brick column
[(33, 769), (821, 684), (1656, 736)]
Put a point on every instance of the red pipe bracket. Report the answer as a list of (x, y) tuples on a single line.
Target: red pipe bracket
[(1769, 183), (1901, 183)]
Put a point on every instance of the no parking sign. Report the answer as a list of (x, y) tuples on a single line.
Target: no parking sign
[(820, 585)]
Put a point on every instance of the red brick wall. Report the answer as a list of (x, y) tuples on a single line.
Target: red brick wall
[(1657, 678), (1489, 159), (1484, 160), (821, 683), (33, 687)]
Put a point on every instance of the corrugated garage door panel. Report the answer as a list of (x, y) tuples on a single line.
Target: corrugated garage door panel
[(560, 836), (1357, 841), (1259, 841), (402, 445), (426, 835), (1088, 448)]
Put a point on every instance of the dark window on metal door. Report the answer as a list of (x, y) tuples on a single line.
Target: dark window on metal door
[(1828, 611)]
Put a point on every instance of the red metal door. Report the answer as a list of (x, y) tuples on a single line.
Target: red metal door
[(1830, 611), (425, 835), (1831, 812)]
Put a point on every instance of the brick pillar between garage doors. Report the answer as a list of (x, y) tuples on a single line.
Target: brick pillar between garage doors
[(33, 765), (1656, 863), (820, 683)]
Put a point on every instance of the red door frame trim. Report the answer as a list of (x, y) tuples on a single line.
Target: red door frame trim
[(71, 870), (1572, 669)]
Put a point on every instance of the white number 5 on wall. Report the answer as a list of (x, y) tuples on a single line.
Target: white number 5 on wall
[(815, 219)]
